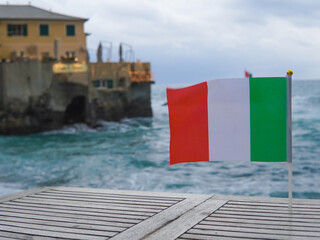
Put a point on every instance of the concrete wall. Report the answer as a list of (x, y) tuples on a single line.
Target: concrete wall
[(139, 100), (43, 44), (111, 70), (22, 81), (62, 94), (1, 90)]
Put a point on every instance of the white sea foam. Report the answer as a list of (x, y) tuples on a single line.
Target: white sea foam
[(72, 129)]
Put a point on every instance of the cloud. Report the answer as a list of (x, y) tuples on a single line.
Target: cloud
[(191, 39)]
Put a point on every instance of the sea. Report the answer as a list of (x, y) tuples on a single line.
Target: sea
[(133, 154)]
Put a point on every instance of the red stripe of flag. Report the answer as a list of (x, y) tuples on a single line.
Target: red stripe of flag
[(188, 119)]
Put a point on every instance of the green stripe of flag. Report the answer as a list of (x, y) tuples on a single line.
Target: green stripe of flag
[(268, 111)]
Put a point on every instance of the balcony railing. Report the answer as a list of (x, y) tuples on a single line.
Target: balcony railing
[(141, 76)]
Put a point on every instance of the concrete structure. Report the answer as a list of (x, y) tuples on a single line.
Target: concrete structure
[(84, 213), (30, 32), (37, 96)]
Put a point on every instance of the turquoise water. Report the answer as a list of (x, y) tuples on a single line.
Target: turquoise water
[(134, 154)]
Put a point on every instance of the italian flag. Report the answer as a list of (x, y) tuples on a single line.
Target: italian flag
[(229, 119)]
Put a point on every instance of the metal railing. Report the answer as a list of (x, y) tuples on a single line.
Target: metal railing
[(141, 76)]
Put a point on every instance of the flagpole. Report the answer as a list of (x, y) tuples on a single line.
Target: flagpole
[(289, 136)]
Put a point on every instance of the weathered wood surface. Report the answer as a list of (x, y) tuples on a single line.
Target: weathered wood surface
[(259, 218), (84, 213)]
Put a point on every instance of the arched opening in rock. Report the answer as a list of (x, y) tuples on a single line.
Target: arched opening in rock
[(76, 111)]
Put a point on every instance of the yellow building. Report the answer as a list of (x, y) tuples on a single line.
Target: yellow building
[(31, 32)]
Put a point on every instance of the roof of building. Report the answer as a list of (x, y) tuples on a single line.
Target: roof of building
[(29, 12)]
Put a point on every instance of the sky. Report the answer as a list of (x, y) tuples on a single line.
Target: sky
[(189, 41)]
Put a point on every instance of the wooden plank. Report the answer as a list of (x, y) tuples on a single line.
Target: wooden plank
[(102, 201), (80, 214), (271, 202), (62, 230), (270, 210), (273, 208), (254, 229), (199, 233), (150, 225), (267, 200), (106, 218), (47, 233), (130, 192), (287, 226), (191, 236), (263, 222), (114, 203), (66, 218), (266, 214), (90, 205), (110, 196), (21, 194), (187, 220), (11, 235), (224, 236), (77, 210), (276, 205), (117, 193), (58, 222), (266, 218)]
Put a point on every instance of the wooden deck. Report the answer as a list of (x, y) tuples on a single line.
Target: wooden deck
[(82, 213)]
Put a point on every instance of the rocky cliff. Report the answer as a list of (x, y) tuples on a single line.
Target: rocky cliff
[(33, 98)]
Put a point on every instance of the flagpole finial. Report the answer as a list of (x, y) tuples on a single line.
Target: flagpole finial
[(290, 72)]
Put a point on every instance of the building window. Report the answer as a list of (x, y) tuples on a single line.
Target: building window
[(96, 83), (71, 30), (109, 83), (44, 29), (70, 54), (103, 83), (122, 82), (17, 30)]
